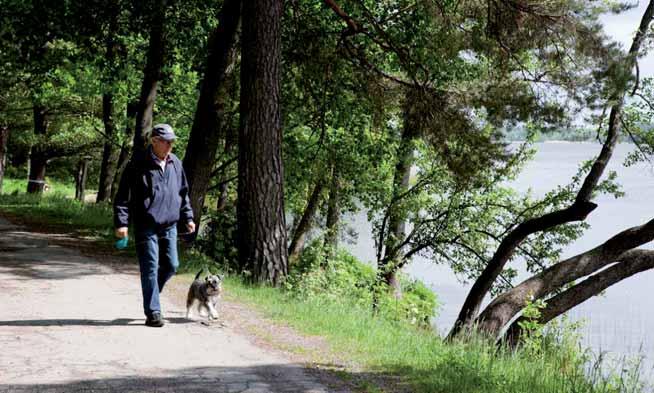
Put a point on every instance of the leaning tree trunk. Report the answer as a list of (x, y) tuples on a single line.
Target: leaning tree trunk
[(304, 225), (507, 305), (4, 138), (630, 263), (583, 196), (151, 76), (208, 122), (38, 160), (260, 209)]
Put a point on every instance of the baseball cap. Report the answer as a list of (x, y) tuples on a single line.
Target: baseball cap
[(164, 131)]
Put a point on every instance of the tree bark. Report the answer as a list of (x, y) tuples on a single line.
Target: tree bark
[(125, 148), (38, 160), (629, 263), (151, 75), (108, 165), (208, 121), (230, 142), (260, 210), (299, 235), (503, 308), (577, 211), (4, 138), (392, 261), (80, 179)]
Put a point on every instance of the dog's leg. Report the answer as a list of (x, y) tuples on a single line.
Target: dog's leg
[(213, 313), (189, 303)]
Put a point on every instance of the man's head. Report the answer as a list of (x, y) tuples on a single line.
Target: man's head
[(163, 138)]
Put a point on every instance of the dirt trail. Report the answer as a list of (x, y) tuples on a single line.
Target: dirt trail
[(69, 323)]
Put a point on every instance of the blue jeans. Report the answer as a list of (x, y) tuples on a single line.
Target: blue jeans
[(156, 249)]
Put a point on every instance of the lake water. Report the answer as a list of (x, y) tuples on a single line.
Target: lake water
[(619, 321)]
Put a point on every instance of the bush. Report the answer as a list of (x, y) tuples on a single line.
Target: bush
[(345, 279)]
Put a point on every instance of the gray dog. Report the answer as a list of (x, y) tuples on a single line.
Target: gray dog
[(206, 292)]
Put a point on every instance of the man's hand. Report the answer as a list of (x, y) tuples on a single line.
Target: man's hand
[(190, 226), (121, 232)]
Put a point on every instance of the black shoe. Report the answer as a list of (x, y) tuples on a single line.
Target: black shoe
[(154, 320)]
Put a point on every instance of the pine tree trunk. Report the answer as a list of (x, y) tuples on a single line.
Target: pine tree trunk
[(208, 122), (260, 211), (151, 76)]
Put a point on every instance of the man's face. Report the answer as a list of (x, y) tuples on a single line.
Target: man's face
[(161, 147)]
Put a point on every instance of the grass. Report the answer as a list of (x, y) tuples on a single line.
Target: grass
[(375, 346), (421, 359)]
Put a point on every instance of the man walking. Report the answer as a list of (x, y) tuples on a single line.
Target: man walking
[(153, 196)]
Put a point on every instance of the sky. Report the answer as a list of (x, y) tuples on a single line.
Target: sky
[(622, 28)]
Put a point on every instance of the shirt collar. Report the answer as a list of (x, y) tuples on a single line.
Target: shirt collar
[(157, 159)]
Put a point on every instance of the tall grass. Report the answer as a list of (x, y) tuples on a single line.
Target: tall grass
[(423, 361)]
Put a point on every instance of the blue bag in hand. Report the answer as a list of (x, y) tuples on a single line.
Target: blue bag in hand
[(121, 243)]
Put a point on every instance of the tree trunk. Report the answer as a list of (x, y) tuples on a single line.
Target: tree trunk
[(38, 160), (151, 76), (481, 287), (630, 263), (108, 165), (4, 138), (333, 214), (503, 308), (125, 148), (208, 122), (223, 188), (260, 211), (389, 266), (80, 179), (299, 235)]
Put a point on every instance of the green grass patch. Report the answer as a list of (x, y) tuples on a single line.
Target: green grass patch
[(421, 359)]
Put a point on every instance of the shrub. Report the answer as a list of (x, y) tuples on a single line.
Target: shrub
[(343, 278)]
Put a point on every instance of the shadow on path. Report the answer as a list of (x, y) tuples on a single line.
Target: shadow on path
[(88, 322), (256, 379)]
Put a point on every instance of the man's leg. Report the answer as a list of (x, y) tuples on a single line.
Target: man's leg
[(147, 250), (168, 259)]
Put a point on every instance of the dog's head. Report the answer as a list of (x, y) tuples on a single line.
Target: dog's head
[(214, 281)]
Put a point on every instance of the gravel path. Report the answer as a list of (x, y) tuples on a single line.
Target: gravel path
[(69, 323)]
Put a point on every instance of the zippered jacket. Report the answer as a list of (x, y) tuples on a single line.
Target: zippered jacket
[(150, 197)]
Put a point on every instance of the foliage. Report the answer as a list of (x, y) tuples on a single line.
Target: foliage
[(343, 278)]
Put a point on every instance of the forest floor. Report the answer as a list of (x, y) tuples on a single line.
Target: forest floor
[(71, 320)]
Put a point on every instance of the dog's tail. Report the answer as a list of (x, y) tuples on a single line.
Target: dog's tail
[(198, 275)]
